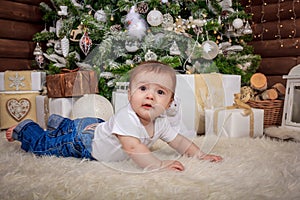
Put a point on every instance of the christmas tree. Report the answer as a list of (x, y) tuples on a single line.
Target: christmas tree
[(114, 36)]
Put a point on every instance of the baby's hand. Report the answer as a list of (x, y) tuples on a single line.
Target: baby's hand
[(173, 165), (211, 158)]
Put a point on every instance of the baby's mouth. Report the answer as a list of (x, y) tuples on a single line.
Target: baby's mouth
[(147, 106)]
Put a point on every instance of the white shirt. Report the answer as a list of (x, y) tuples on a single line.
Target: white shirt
[(106, 146)]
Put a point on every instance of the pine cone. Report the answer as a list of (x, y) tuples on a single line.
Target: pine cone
[(115, 28), (142, 8)]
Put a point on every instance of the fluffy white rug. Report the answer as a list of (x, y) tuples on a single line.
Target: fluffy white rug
[(283, 133), (258, 168)]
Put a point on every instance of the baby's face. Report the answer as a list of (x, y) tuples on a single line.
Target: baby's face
[(150, 95)]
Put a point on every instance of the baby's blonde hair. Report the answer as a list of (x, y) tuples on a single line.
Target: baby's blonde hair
[(156, 67)]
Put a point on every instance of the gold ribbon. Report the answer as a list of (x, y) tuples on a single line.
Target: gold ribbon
[(238, 104), (209, 93), (46, 110)]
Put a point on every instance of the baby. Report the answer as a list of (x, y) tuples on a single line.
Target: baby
[(128, 134)]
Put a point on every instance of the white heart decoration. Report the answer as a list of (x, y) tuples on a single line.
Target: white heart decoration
[(18, 109)]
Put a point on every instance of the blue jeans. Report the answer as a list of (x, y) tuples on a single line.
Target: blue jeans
[(63, 137)]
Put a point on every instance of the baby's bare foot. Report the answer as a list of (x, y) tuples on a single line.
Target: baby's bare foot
[(9, 133)]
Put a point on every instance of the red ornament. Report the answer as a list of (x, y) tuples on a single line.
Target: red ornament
[(85, 43)]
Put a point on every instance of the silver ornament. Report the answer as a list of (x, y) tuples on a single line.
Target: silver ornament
[(38, 53), (150, 56), (155, 18), (174, 50), (237, 23), (247, 29), (131, 46), (210, 50), (167, 22), (100, 16), (65, 45)]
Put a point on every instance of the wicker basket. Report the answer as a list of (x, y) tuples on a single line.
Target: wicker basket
[(272, 111)]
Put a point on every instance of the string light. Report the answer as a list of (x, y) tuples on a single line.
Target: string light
[(280, 27), (294, 31), (262, 20)]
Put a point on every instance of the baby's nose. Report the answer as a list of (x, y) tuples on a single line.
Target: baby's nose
[(150, 95)]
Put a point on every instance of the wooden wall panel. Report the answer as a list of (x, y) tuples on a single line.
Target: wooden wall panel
[(20, 12), (258, 2), (278, 65), (20, 20), (18, 30), (14, 64), (270, 11), (272, 48), (269, 15), (16, 49), (271, 80), (269, 30), (32, 2)]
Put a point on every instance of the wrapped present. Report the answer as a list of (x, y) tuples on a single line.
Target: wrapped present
[(234, 122), (72, 84), (17, 106), (204, 91), (22, 80), (61, 106), (47, 106), (42, 110), (196, 93)]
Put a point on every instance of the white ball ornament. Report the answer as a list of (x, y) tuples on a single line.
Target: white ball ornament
[(210, 50), (100, 16), (155, 18), (237, 23)]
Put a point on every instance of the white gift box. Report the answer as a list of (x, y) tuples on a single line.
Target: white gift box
[(213, 90), (47, 106), (42, 110), (22, 80), (216, 90), (233, 122), (61, 106)]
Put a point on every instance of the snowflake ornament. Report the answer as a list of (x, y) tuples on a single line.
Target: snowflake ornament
[(17, 81)]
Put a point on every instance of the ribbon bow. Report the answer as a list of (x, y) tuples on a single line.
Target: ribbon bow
[(238, 104)]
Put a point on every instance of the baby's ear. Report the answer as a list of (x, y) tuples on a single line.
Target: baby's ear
[(129, 94)]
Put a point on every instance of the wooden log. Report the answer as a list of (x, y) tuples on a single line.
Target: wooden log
[(258, 81), (277, 66), (16, 49), (269, 12), (14, 64), (18, 30), (272, 48), (280, 88), (270, 94), (20, 12), (269, 30)]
